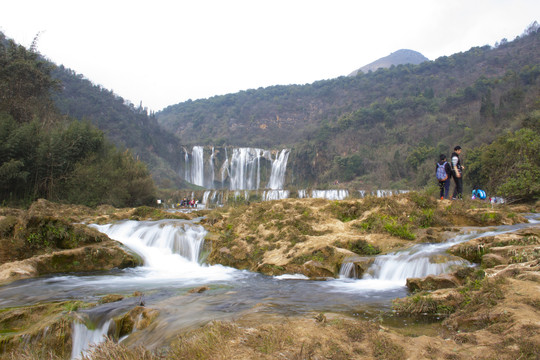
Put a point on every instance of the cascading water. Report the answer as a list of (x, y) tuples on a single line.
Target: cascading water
[(225, 172), (211, 161), (187, 174), (279, 165), (418, 261), (348, 271), (242, 170), (330, 194), (172, 249), (244, 165), (82, 337), (197, 167), (269, 195)]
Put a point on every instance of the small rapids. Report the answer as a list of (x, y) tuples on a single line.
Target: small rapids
[(173, 253)]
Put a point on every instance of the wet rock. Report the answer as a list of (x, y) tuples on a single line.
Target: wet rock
[(492, 260), (137, 318), (315, 269), (104, 256), (519, 246), (433, 282), (198, 290), (45, 326), (110, 298)]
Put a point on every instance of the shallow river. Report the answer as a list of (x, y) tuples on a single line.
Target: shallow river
[(172, 253)]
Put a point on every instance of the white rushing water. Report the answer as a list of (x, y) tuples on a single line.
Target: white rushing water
[(418, 261), (279, 165), (212, 171), (242, 170), (169, 249), (83, 338), (269, 195), (197, 167), (392, 270), (245, 169), (187, 173)]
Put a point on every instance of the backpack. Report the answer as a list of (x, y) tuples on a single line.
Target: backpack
[(441, 172), (481, 194)]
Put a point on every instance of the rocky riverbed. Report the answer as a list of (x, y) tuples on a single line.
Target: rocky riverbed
[(486, 312)]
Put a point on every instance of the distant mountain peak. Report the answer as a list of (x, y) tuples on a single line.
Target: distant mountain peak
[(403, 56)]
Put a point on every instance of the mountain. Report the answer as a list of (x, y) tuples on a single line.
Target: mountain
[(399, 57), (126, 125), (384, 128)]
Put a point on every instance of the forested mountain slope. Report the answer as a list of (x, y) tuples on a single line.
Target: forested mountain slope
[(126, 125), (385, 127), (44, 154)]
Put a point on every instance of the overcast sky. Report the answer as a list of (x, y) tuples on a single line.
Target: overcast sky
[(165, 52)]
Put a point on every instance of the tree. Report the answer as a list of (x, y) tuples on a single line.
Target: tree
[(510, 166)]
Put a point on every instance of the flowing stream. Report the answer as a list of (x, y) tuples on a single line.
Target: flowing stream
[(173, 254)]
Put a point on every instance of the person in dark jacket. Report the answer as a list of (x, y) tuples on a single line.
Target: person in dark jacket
[(457, 173), (444, 184)]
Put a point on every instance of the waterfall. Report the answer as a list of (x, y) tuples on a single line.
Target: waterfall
[(279, 165), (244, 164), (348, 270), (187, 174), (269, 195), (83, 337), (206, 195), (330, 194), (384, 193), (164, 245), (212, 175), (224, 171), (242, 169), (419, 261), (197, 168)]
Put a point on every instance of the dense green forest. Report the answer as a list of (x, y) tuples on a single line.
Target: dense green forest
[(384, 128), (44, 154)]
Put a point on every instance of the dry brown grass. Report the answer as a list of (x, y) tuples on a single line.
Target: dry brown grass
[(109, 350)]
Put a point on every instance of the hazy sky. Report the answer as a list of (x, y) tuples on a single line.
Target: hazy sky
[(165, 52)]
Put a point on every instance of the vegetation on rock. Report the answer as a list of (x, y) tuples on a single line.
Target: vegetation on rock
[(314, 236)]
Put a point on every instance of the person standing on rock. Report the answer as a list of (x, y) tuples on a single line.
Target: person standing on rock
[(444, 175), (457, 173)]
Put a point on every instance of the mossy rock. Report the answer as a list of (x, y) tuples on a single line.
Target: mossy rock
[(46, 327)]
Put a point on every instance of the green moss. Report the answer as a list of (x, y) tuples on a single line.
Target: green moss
[(7, 226), (360, 247), (389, 224), (147, 212)]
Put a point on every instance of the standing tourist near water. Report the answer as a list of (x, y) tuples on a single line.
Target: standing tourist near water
[(444, 175), (457, 173)]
